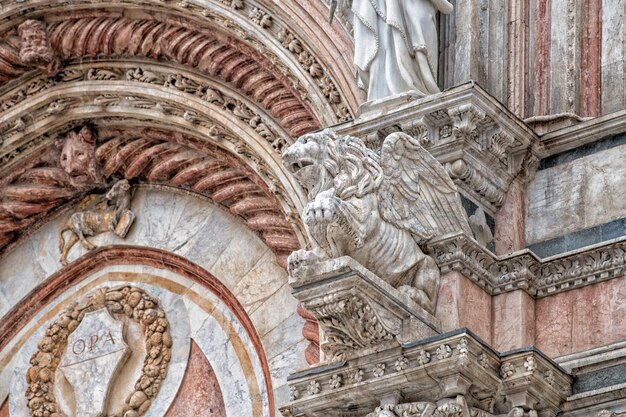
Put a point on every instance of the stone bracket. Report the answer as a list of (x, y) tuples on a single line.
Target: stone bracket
[(357, 310), (483, 146)]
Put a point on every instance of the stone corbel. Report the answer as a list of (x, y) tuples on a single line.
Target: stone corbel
[(531, 381), (483, 146), (356, 310)]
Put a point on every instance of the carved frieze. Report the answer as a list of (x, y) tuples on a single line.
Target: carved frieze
[(228, 20), (155, 156), (524, 270)]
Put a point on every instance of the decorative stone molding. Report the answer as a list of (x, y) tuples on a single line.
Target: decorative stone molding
[(157, 157), (463, 373), (356, 310), (254, 74), (267, 128), (483, 146), (524, 270), (229, 19)]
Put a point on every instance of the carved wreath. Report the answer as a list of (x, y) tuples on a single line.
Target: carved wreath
[(127, 300)]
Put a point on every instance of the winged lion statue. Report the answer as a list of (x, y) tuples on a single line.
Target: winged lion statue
[(376, 208)]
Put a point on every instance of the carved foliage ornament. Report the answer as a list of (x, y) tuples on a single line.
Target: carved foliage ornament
[(128, 301)]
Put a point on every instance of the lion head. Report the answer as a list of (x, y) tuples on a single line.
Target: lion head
[(78, 158), (324, 160)]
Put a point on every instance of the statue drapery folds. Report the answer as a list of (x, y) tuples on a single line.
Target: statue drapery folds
[(396, 45)]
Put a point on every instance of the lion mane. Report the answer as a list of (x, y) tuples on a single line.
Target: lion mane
[(354, 169)]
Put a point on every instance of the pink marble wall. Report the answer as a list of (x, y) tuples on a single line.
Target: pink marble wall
[(199, 394), (513, 320), (509, 235), (581, 319), (462, 303)]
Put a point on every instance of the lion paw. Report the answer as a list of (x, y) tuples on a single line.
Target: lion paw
[(302, 258), (322, 210), (415, 294)]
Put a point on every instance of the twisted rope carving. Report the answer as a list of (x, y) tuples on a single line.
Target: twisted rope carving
[(219, 56), (153, 157)]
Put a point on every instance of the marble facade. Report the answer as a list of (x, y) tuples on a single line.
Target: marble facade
[(173, 244)]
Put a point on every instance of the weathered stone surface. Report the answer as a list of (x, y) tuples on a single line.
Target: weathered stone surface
[(581, 319), (573, 196), (513, 321), (463, 304)]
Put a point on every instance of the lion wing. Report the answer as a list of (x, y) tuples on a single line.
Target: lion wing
[(416, 193)]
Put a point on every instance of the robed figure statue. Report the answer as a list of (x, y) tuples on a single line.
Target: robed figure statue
[(396, 45)]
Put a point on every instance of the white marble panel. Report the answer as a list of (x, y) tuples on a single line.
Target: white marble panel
[(265, 318), (282, 337), (576, 195), (260, 283), (176, 313)]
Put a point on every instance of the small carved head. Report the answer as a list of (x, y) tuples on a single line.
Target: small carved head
[(78, 157), (36, 50), (118, 190)]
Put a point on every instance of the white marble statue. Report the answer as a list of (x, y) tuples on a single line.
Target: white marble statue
[(396, 45), (376, 209)]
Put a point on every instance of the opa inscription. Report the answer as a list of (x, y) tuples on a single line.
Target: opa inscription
[(95, 343)]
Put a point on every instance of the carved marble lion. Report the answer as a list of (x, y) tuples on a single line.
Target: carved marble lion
[(376, 208)]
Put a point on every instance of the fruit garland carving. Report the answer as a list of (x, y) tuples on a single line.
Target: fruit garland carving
[(134, 303)]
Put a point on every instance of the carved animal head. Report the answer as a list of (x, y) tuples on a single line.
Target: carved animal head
[(78, 157), (119, 189), (323, 160)]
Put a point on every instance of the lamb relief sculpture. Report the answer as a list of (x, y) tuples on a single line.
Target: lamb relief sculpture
[(98, 214), (377, 209)]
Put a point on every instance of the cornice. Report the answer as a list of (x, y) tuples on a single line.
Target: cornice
[(524, 270), (583, 133), (436, 370)]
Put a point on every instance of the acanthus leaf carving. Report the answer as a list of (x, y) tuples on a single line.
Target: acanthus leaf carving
[(342, 332)]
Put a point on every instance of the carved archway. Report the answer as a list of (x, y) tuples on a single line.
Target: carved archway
[(205, 95)]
